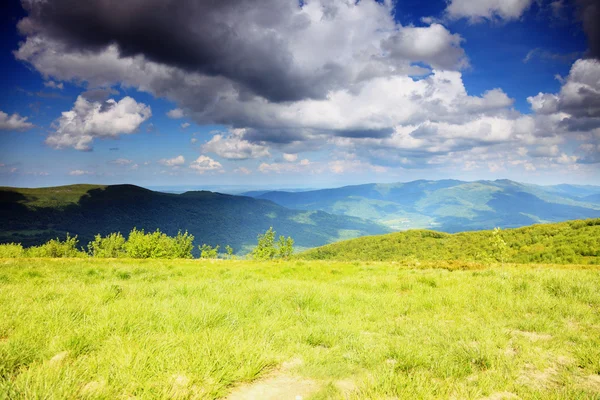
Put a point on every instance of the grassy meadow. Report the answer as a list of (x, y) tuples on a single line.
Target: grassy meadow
[(206, 329)]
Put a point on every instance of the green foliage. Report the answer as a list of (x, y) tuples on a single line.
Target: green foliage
[(207, 251), (266, 249), (499, 245), (11, 250), (285, 247), (55, 248), (229, 251), (183, 244), (572, 242), (158, 245), (110, 246)]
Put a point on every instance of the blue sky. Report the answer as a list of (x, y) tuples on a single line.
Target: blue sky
[(321, 94)]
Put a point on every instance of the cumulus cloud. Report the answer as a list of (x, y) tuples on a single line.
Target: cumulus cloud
[(14, 122), (90, 120), (391, 94), (185, 125), (578, 102), (206, 164), (233, 146), (477, 11), (175, 113), (434, 45), (172, 162)]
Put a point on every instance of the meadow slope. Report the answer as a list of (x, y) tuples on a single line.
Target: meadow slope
[(561, 243), (106, 329)]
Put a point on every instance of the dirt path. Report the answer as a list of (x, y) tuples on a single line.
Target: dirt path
[(280, 385)]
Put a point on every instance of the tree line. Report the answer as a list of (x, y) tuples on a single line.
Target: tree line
[(155, 245)]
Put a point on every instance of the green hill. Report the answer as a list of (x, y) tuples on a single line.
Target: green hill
[(572, 242), (449, 205), (32, 216)]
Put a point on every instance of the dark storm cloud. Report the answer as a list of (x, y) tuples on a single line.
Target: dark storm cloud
[(238, 40), (589, 13)]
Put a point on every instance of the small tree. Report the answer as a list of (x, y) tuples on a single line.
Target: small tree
[(206, 251), (286, 247), (266, 249), (229, 250), (499, 245)]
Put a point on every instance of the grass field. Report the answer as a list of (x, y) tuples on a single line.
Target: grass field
[(108, 329)]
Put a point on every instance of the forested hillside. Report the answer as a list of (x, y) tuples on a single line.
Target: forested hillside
[(32, 216), (576, 242)]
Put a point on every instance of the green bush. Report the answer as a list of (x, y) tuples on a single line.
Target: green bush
[(158, 245), (266, 249), (54, 248), (183, 244), (11, 250), (207, 251), (110, 246)]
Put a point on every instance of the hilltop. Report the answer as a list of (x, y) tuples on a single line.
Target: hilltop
[(32, 216), (449, 205), (572, 242)]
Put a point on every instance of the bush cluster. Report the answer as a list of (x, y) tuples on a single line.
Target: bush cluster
[(140, 244)]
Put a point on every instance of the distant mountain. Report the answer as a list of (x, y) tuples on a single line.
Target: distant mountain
[(449, 205), (32, 216)]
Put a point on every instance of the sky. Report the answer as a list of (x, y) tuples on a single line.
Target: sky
[(289, 93)]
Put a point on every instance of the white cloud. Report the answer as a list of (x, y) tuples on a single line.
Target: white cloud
[(54, 85), (14, 122), (350, 165), (434, 45), (359, 89), (185, 125), (193, 140), (290, 157), (206, 164), (478, 10), (172, 162), (278, 168), (232, 146), (90, 120), (79, 172), (175, 113)]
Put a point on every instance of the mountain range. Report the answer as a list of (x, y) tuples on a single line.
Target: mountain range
[(33, 216), (448, 205)]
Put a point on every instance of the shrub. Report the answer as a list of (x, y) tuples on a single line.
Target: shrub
[(183, 244), (266, 250), (158, 245), (207, 251), (54, 248), (11, 250), (110, 246)]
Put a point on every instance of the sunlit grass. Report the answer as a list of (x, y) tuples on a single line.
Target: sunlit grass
[(90, 328)]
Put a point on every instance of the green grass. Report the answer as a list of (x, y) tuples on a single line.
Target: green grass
[(106, 329), (561, 243)]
